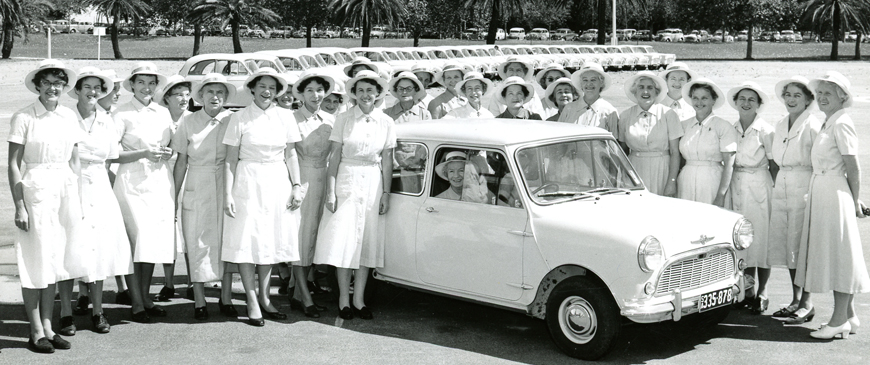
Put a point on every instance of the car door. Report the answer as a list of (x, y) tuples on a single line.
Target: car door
[(472, 245)]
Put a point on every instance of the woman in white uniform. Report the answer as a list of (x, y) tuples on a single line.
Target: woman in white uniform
[(514, 93), (144, 184), (591, 109), (676, 76), (650, 133), (752, 182), (561, 93), (708, 146), (831, 257), (515, 66), (335, 102), (473, 88), (199, 170), (409, 94), (262, 191), (449, 76), (44, 135), (792, 145), (103, 227), (543, 80), (359, 177)]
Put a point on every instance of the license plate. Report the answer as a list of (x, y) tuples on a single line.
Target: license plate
[(715, 299)]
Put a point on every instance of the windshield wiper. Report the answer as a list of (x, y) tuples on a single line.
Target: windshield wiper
[(605, 191), (574, 194)]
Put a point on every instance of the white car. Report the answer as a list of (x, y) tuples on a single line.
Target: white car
[(540, 34), (556, 225), (664, 59), (235, 66), (517, 33), (670, 35)]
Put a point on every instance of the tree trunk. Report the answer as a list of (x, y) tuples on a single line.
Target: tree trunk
[(835, 40), (367, 31), (417, 39), (116, 46), (136, 27), (197, 38), (237, 43), (8, 38), (493, 22), (308, 36), (857, 46), (749, 41), (602, 21)]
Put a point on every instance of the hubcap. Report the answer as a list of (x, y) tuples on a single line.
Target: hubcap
[(577, 320)]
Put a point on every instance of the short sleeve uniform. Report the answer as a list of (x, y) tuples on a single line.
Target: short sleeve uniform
[(599, 114), (417, 112), (648, 133), (682, 107), (752, 185), (468, 112), (702, 146)]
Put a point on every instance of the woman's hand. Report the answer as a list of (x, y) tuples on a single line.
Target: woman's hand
[(385, 204), (331, 202), (860, 208), (230, 206), (719, 201), (22, 219), (153, 154), (166, 153), (296, 197), (671, 189)]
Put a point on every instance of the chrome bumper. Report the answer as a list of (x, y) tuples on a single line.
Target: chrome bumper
[(675, 305)]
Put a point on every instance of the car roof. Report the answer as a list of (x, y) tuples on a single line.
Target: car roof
[(496, 132)]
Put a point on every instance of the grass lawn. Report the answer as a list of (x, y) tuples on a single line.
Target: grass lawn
[(85, 46)]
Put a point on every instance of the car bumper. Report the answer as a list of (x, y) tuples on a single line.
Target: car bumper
[(676, 304)]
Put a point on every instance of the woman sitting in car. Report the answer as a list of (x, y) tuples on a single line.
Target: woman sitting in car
[(466, 183)]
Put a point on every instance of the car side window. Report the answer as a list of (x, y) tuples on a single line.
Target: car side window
[(202, 68), (291, 64), (409, 168), (473, 175)]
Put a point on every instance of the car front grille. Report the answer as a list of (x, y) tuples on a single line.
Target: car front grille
[(696, 271)]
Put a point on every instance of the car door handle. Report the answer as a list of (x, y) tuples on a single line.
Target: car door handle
[(521, 233), (431, 210)]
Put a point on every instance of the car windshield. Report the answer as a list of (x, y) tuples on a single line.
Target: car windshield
[(639, 49), (576, 170)]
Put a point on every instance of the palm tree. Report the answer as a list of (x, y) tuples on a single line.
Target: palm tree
[(361, 13), (10, 15), (501, 10), (236, 13), (840, 13), (117, 9)]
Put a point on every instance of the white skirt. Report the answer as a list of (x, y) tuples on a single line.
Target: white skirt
[(103, 226), (202, 219), (145, 192)]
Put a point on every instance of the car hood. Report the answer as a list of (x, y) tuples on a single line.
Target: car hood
[(628, 218)]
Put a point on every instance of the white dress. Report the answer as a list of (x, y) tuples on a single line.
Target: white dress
[(264, 231), (702, 146), (200, 137), (50, 250), (145, 189), (349, 238), (313, 152), (682, 107), (600, 114), (752, 185), (791, 152), (103, 225), (648, 134), (468, 112)]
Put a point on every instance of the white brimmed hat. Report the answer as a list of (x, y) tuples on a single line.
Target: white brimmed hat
[(421, 68), (593, 67), (562, 80), (679, 66), (474, 75), (171, 82), (663, 86), (361, 61), (407, 75), (271, 72), (110, 73), (780, 87), (90, 71), (439, 75), (49, 64), (838, 79), (309, 74), (453, 156), (720, 100), (530, 67), (366, 75), (552, 67), (144, 68), (751, 86), (516, 80), (213, 78)]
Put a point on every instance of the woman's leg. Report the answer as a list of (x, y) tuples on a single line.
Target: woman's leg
[(763, 277), (83, 289), (198, 295), (247, 273), (301, 293), (806, 301), (227, 286), (32, 299), (343, 277), (138, 304), (842, 307), (750, 272), (122, 284), (795, 290), (264, 274), (46, 310), (145, 271), (359, 287), (96, 290), (65, 289), (169, 275)]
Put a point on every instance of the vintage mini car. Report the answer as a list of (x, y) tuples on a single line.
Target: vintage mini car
[(553, 221)]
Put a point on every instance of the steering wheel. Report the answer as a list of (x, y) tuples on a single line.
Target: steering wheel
[(542, 187)]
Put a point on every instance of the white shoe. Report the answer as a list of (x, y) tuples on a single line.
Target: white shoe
[(855, 323), (828, 332)]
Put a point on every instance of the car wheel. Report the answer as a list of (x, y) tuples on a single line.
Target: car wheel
[(582, 318), (72, 31)]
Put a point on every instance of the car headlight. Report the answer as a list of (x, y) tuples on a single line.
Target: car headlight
[(650, 254), (743, 234)]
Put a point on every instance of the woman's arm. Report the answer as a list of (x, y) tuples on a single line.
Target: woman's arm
[(387, 179), (673, 167), (76, 165), (728, 161), (230, 165), (853, 178), (292, 161), (178, 173), (16, 153), (331, 173), (154, 154)]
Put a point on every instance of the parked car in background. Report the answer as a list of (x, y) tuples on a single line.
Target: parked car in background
[(59, 25), (852, 36), (563, 34), (697, 36), (625, 34), (670, 35), (722, 37), (397, 33), (789, 36), (236, 67), (256, 33), (81, 27), (538, 34), (743, 36), (327, 32), (379, 31), (280, 33), (644, 35), (470, 33), (500, 34), (350, 33), (517, 33), (769, 36), (589, 35)]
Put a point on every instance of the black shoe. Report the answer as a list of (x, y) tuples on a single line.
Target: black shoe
[(345, 313), (123, 298), (314, 288), (41, 346), (277, 315), (319, 307), (59, 343), (256, 322), (141, 317), (362, 313), (760, 305), (200, 313), (785, 313), (156, 311), (189, 294), (165, 294), (67, 326), (309, 311), (284, 288), (228, 310), (101, 324), (81, 307)]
